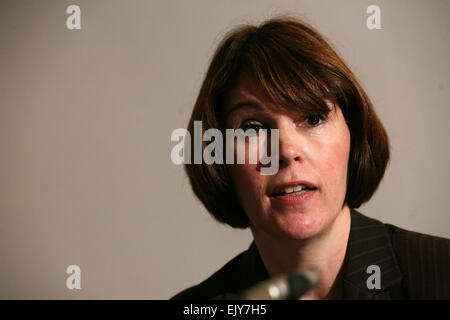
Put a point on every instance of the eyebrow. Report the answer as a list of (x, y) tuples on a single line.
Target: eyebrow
[(244, 105)]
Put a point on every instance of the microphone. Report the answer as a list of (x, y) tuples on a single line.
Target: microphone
[(285, 287)]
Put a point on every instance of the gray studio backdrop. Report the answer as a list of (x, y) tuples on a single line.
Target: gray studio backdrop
[(86, 117)]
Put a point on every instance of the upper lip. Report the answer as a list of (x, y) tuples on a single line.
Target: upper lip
[(280, 187)]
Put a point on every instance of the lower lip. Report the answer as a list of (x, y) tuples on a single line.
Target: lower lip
[(299, 199)]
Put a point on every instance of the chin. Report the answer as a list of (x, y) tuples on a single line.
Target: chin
[(301, 227)]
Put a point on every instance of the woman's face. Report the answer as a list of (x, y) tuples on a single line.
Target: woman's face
[(313, 152)]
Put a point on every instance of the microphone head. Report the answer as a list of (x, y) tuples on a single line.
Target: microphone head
[(290, 286), (301, 282)]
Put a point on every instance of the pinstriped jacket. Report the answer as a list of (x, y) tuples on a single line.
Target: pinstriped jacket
[(412, 265)]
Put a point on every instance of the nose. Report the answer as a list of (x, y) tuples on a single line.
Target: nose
[(290, 146)]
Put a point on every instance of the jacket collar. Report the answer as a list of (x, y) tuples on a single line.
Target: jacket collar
[(369, 244)]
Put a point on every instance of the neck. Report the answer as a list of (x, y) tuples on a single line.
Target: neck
[(325, 251)]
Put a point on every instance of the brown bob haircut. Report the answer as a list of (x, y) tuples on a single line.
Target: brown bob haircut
[(299, 70)]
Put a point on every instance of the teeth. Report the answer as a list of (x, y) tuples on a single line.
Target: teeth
[(294, 189), (298, 193), (288, 190)]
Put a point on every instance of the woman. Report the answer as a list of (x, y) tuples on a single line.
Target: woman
[(333, 151)]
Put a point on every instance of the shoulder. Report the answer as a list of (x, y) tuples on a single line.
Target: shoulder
[(424, 261), (418, 247), (413, 265)]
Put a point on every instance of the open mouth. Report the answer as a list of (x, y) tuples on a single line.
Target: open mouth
[(293, 191)]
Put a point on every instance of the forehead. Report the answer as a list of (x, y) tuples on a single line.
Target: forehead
[(284, 98), (247, 88)]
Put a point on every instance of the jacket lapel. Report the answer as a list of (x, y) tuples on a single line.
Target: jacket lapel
[(369, 245)]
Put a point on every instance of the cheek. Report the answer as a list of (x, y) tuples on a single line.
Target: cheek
[(247, 180), (334, 162), (248, 183)]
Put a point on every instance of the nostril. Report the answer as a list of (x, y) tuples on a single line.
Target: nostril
[(287, 160)]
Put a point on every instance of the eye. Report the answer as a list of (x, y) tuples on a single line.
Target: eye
[(314, 120), (251, 125)]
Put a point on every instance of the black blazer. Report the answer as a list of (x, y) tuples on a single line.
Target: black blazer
[(412, 265)]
